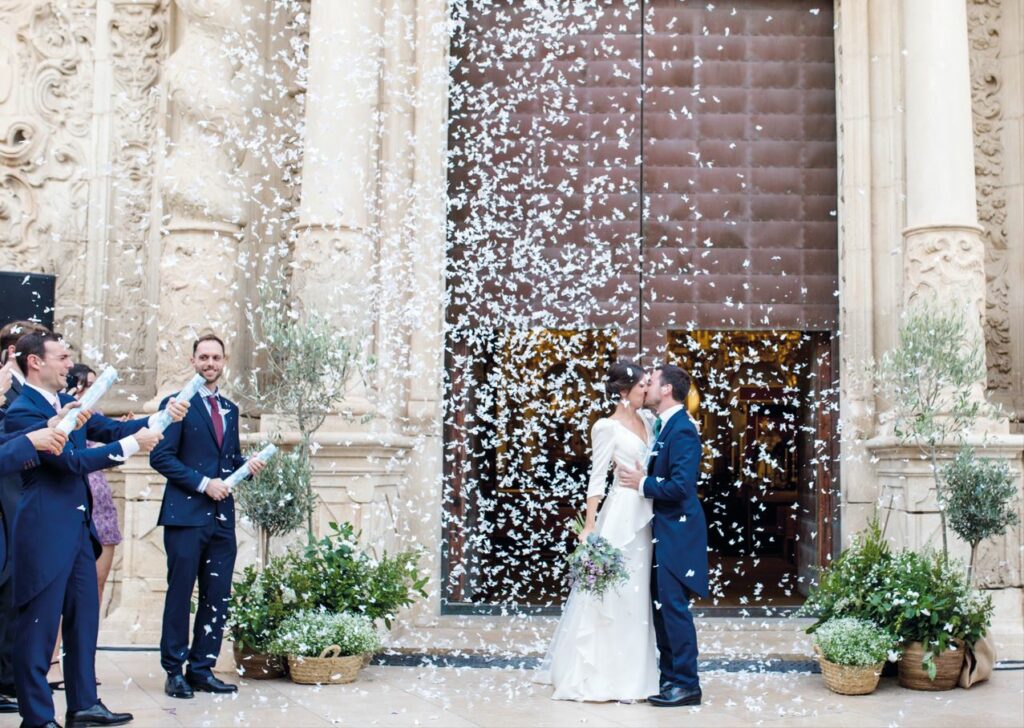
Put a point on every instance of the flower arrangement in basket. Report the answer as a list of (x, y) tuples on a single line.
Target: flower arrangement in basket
[(595, 566), (325, 648), (851, 653)]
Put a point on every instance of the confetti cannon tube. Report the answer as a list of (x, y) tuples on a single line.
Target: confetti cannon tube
[(239, 475), (103, 383), (163, 420)]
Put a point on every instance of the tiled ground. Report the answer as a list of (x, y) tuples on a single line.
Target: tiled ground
[(406, 696)]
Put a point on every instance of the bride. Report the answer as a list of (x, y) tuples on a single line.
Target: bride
[(604, 647)]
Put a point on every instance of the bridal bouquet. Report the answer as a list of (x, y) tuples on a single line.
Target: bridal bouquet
[(596, 566)]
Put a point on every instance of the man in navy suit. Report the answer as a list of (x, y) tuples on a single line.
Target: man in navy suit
[(11, 383), (18, 453), (680, 534), (198, 516), (55, 544)]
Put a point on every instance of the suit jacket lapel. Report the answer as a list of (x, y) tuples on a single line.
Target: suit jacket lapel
[(663, 436), (38, 401), (229, 413)]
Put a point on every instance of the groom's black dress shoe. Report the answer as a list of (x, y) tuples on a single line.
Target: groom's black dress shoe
[(47, 724), (96, 715), (210, 684), (674, 696), (176, 686)]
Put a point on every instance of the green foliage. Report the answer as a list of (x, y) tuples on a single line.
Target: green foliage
[(331, 574), (279, 501), (309, 632), (980, 498), (930, 378), (917, 598), (307, 366), (308, 363), (928, 599), (854, 642), (845, 586)]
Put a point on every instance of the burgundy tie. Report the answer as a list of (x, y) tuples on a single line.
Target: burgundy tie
[(218, 423)]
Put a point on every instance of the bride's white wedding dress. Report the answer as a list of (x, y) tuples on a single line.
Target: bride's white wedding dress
[(604, 647)]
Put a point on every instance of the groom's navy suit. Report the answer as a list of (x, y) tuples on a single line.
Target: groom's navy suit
[(54, 553), (199, 532), (680, 547)]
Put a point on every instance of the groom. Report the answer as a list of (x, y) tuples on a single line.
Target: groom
[(680, 534)]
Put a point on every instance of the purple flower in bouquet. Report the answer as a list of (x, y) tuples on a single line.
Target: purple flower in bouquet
[(596, 566)]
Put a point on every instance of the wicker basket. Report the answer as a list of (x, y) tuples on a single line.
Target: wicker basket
[(255, 666), (849, 680), (947, 668), (328, 669)]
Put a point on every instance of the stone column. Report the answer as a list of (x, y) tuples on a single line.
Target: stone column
[(204, 186), (335, 251), (944, 257), (944, 252)]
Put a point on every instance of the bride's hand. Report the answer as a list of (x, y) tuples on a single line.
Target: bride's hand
[(585, 533)]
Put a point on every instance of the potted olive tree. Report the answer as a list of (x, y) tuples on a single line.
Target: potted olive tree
[(929, 378)]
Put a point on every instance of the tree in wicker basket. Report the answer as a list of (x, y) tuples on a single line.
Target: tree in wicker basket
[(928, 603), (325, 648), (851, 653)]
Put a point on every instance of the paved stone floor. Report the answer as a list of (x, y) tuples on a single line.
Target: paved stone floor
[(427, 696)]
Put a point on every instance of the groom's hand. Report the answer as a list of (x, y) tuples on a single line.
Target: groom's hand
[(629, 478)]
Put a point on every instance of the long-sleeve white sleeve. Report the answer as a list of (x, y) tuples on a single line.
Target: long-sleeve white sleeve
[(602, 443)]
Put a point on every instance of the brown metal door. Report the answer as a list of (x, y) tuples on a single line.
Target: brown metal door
[(739, 167), (543, 278)]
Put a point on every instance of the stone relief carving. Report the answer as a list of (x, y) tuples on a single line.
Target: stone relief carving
[(984, 18), (137, 40), (946, 262), (45, 119)]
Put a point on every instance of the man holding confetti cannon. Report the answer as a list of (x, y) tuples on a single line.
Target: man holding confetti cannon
[(54, 541), (198, 457)]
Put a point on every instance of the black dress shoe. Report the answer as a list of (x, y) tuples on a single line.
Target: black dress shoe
[(210, 684), (8, 705), (675, 696), (177, 686), (96, 715), (47, 724)]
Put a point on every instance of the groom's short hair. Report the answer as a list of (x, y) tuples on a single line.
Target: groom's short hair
[(679, 380)]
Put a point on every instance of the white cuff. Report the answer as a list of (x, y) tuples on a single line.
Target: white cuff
[(149, 420), (640, 488), (202, 486), (129, 446)]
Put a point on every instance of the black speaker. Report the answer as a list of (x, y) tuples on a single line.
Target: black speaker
[(27, 296)]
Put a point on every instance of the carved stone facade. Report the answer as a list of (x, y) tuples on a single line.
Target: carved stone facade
[(46, 82), (127, 168)]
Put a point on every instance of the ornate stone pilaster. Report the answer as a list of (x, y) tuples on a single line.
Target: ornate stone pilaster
[(130, 51), (45, 115), (984, 20), (204, 185)]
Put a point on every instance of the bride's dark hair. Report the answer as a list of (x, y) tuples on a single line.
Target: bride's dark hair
[(622, 377)]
